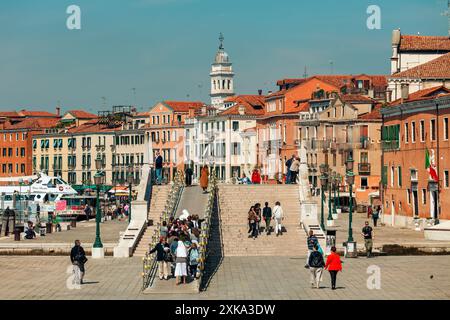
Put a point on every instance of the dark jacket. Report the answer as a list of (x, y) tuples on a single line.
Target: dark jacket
[(159, 162), (312, 241), (316, 260), (267, 213), (160, 253), (77, 254)]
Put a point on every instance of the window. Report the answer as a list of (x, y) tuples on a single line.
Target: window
[(408, 195), (22, 168), (235, 125), (392, 176), (445, 128), (424, 196), (413, 132), (433, 129), (399, 176), (414, 175), (364, 183), (422, 130), (235, 149), (390, 136), (406, 132), (364, 157), (446, 179), (22, 152)]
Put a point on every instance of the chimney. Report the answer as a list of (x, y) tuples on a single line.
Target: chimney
[(204, 110), (405, 92), (371, 93), (191, 112), (58, 111), (260, 92), (241, 110), (270, 92)]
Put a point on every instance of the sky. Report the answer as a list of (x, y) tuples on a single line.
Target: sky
[(164, 48)]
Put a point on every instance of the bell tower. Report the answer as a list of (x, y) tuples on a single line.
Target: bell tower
[(222, 83)]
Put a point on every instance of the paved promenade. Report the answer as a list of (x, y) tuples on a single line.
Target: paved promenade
[(417, 277)]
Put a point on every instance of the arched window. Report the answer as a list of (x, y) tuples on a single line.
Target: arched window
[(229, 84), (223, 84), (214, 84)]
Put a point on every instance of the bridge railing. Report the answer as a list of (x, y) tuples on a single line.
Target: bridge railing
[(206, 226), (149, 262)]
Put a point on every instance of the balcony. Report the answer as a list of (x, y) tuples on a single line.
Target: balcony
[(364, 168), (364, 143), (390, 145), (100, 147)]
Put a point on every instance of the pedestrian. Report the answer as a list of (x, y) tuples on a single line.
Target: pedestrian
[(188, 172), (193, 259), (369, 212), (181, 263), (204, 176), (367, 233), (158, 167), (295, 167), (376, 215), (259, 217), (267, 215), (78, 259), (29, 232), (162, 250), (333, 265), (252, 221), (288, 169), (256, 177), (87, 212), (278, 216), (311, 242), (316, 265), (163, 230)]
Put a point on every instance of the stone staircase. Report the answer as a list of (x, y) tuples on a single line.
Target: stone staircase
[(158, 202), (236, 200)]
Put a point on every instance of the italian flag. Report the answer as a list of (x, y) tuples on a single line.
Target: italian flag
[(430, 165)]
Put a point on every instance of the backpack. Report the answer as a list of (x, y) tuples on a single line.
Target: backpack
[(193, 256)]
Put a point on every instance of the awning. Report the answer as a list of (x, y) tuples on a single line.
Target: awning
[(79, 187)]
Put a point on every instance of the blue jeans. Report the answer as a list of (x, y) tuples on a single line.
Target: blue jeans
[(288, 176), (158, 175)]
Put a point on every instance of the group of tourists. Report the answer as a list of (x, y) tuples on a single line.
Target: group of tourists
[(316, 264), (177, 252), (292, 169), (256, 215)]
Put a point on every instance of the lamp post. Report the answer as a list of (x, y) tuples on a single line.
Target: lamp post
[(351, 250), (338, 184), (330, 221), (130, 179), (323, 184), (97, 248), (335, 183)]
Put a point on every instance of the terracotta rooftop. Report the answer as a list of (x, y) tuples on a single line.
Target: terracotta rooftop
[(355, 98), (183, 106), (252, 104), (422, 95), (93, 127), (438, 68), (374, 115), (81, 114), (32, 123), (338, 80), (28, 113), (424, 43)]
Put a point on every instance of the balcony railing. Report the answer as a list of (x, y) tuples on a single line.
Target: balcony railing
[(364, 168), (390, 145)]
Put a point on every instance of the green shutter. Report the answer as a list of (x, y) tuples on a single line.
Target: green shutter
[(34, 144), (384, 178), (42, 143), (55, 143)]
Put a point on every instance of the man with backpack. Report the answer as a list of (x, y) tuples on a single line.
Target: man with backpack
[(316, 265), (267, 215), (288, 169), (311, 242), (193, 259)]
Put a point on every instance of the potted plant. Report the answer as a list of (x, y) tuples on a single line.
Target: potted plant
[(430, 221)]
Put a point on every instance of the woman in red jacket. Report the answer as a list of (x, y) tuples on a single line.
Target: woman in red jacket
[(333, 265), (256, 177)]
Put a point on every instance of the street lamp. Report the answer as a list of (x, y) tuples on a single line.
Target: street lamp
[(338, 186), (350, 178), (130, 179), (330, 221), (97, 248), (323, 184)]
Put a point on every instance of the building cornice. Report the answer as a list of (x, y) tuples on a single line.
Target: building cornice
[(417, 107)]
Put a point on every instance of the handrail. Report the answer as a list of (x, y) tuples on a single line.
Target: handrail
[(149, 263), (206, 227)]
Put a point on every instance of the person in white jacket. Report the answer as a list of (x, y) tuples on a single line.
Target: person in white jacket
[(278, 216)]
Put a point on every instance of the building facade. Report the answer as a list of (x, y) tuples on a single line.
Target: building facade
[(413, 128)]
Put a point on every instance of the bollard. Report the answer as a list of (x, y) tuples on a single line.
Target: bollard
[(73, 222), (49, 227), (16, 234)]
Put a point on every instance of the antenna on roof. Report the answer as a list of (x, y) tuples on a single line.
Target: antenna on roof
[(305, 74), (104, 103)]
